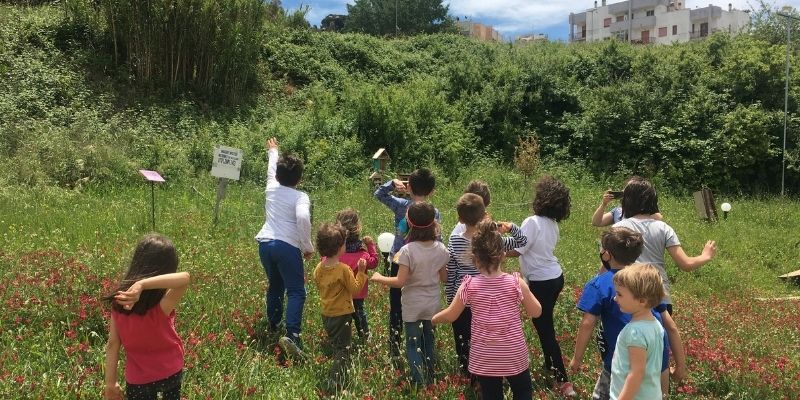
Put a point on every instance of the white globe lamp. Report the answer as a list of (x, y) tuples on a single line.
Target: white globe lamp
[(725, 208)]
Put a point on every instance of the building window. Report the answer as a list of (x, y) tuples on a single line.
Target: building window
[(620, 18), (674, 29), (607, 22), (662, 31), (651, 13)]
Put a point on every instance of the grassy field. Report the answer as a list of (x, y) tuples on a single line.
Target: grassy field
[(61, 250)]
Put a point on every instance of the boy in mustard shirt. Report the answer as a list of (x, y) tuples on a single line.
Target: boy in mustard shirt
[(337, 285)]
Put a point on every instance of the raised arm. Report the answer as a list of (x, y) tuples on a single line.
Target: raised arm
[(112, 390), (383, 194), (688, 264), (302, 211), (272, 162), (175, 283), (600, 216)]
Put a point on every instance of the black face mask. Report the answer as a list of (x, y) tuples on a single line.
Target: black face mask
[(606, 265)]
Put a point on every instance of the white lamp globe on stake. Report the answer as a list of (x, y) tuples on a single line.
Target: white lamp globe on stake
[(725, 208)]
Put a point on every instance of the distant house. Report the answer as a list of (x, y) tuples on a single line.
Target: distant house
[(654, 21), (532, 38), (479, 31), (333, 23)]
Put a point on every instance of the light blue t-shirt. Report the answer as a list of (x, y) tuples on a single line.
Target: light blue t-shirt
[(649, 335)]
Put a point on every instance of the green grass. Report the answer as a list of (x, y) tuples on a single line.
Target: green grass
[(60, 250)]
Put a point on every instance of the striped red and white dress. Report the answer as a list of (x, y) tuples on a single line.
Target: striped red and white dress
[(498, 346)]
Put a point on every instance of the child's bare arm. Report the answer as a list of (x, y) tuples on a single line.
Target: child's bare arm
[(112, 390), (585, 330), (452, 312), (175, 283), (532, 306), (688, 264), (443, 274), (513, 253), (600, 216), (396, 282), (638, 359), (676, 345)]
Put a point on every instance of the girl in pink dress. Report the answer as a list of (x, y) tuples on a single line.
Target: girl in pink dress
[(498, 349)]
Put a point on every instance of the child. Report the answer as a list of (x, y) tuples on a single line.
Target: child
[(357, 249), (337, 285), (639, 203), (540, 267), (421, 183), (481, 189), (602, 218), (422, 265), (621, 247), (283, 242), (143, 323), (471, 211), (498, 344), (636, 366)]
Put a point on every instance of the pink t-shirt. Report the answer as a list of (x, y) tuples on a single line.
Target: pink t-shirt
[(153, 348), (351, 259), (498, 346)]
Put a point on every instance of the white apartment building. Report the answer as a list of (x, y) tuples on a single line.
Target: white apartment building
[(654, 21)]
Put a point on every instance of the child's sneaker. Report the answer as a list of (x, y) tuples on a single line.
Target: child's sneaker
[(566, 389), (291, 347)]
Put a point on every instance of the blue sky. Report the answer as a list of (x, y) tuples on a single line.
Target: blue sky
[(515, 17)]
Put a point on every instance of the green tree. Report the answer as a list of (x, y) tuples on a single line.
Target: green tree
[(770, 27), (378, 17)]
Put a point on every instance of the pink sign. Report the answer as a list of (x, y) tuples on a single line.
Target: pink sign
[(151, 176)]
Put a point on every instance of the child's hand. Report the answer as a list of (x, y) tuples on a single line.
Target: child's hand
[(307, 255), (368, 240), (272, 143), (503, 227), (678, 373), (376, 277), (399, 185), (575, 365), (362, 265), (129, 297), (710, 250), (113, 392)]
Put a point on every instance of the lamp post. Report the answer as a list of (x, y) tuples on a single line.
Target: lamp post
[(789, 19)]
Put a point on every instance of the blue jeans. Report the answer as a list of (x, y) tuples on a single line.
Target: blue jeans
[(419, 351), (283, 264)]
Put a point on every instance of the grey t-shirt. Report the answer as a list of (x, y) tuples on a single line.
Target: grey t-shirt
[(421, 298), (657, 236)]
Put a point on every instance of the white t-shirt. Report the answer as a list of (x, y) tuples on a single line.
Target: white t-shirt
[(458, 230), (657, 237), (421, 298), (536, 260), (288, 212)]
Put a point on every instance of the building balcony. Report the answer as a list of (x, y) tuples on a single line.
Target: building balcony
[(622, 7), (701, 14)]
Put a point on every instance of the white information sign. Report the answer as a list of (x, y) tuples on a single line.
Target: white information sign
[(227, 162)]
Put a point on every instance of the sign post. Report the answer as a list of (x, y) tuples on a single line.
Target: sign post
[(226, 165), (152, 177)]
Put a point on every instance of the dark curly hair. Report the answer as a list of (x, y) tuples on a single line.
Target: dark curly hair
[(639, 197), (487, 246), (551, 199)]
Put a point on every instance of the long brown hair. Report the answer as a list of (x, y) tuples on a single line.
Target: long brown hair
[(154, 255), (421, 219)]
